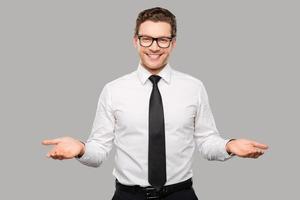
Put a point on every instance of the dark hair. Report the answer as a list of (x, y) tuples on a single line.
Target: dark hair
[(156, 14)]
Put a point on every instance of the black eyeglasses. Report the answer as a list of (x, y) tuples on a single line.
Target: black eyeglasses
[(162, 42)]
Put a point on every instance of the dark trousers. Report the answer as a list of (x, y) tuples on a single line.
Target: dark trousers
[(186, 194)]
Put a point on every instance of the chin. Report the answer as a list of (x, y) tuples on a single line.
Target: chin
[(154, 67)]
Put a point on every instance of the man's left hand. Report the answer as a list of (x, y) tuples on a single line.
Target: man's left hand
[(246, 148)]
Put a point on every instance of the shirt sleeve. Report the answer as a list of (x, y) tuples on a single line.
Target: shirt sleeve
[(208, 140), (100, 141)]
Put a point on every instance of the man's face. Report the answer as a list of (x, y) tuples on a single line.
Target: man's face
[(154, 58)]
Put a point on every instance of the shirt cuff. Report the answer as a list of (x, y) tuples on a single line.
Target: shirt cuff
[(226, 154), (84, 159), (83, 154), (91, 156)]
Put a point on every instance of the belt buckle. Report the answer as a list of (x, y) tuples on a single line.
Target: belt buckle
[(152, 193)]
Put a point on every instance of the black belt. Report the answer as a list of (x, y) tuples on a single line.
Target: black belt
[(153, 193)]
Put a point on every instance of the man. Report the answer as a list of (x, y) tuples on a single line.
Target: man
[(154, 116)]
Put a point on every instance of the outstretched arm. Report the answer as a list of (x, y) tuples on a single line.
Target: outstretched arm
[(211, 145), (96, 149)]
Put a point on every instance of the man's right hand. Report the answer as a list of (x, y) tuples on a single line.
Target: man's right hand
[(64, 148)]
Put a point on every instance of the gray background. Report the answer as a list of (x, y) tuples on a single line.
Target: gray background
[(56, 57)]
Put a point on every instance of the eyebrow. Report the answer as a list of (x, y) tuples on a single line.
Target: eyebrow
[(155, 37)]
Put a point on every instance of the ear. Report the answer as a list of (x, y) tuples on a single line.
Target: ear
[(135, 41), (174, 42)]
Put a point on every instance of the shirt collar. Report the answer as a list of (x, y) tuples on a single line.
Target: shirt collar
[(144, 74)]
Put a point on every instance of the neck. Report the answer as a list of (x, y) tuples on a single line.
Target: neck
[(154, 71)]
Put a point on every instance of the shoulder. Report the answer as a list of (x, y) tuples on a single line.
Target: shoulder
[(187, 78), (121, 81), (116, 86)]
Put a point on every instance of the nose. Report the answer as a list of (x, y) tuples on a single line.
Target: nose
[(154, 46)]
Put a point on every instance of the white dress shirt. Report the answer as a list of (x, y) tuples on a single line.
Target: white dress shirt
[(122, 119)]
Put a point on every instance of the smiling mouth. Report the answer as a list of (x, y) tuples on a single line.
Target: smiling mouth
[(153, 56)]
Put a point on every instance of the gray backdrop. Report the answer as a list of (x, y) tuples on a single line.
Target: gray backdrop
[(56, 56)]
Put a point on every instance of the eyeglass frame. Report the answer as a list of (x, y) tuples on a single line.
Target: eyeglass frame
[(156, 40)]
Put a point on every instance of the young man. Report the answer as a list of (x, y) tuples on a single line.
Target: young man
[(154, 115)]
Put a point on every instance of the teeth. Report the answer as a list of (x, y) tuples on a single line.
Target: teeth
[(154, 56)]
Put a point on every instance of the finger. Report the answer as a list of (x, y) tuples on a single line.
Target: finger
[(51, 142), (259, 151), (259, 145), (253, 154), (52, 154), (258, 154), (60, 157), (55, 155), (250, 155)]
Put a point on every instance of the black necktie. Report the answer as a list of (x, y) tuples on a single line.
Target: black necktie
[(157, 153)]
